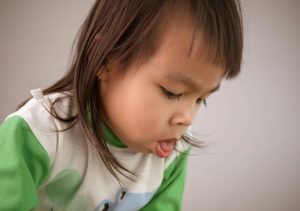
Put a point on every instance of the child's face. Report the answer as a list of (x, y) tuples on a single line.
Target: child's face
[(150, 107)]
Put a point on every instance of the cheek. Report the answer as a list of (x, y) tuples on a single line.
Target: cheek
[(129, 108), (137, 110), (146, 109), (145, 114)]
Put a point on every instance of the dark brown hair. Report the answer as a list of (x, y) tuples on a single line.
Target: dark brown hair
[(127, 33)]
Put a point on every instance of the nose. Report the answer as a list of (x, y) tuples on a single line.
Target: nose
[(184, 117)]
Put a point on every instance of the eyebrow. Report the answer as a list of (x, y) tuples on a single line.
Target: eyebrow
[(185, 80)]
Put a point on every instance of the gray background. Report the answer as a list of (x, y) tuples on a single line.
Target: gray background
[(251, 125)]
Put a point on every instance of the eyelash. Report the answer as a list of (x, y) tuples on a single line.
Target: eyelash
[(172, 96)]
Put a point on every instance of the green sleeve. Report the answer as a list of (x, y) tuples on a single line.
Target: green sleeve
[(169, 195), (24, 165)]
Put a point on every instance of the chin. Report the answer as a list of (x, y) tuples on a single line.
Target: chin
[(146, 151)]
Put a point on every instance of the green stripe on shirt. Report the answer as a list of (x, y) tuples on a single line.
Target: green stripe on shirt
[(24, 165), (169, 195)]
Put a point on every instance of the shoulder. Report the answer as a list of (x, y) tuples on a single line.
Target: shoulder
[(36, 114), (39, 108), (24, 164)]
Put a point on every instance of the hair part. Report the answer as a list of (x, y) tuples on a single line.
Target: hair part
[(128, 33)]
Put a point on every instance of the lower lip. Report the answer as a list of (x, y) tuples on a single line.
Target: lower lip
[(164, 148)]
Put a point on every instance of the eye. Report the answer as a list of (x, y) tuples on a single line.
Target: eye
[(169, 94)]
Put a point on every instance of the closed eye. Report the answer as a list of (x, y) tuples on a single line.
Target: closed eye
[(169, 94)]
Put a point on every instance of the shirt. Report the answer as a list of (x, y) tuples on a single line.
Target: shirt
[(43, 167)]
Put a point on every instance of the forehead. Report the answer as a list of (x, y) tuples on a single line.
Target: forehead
[(182, 33), (176, 59)]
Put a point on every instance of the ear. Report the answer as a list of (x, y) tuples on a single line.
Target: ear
[(103, 73)]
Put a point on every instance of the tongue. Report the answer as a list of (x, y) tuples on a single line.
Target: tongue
[(164, 148)]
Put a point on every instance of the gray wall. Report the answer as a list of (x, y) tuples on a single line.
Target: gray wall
[(251, 125)]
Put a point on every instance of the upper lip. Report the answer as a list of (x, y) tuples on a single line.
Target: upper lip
[(170, 139)]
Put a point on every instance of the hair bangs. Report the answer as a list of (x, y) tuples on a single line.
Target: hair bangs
[(219, 26)]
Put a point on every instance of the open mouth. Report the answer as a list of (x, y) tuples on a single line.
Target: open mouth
[(164, 148)]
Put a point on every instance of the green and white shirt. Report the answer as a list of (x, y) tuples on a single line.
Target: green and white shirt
[(42, 169)]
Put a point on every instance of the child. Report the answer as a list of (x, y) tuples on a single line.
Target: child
[(111, 134)]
